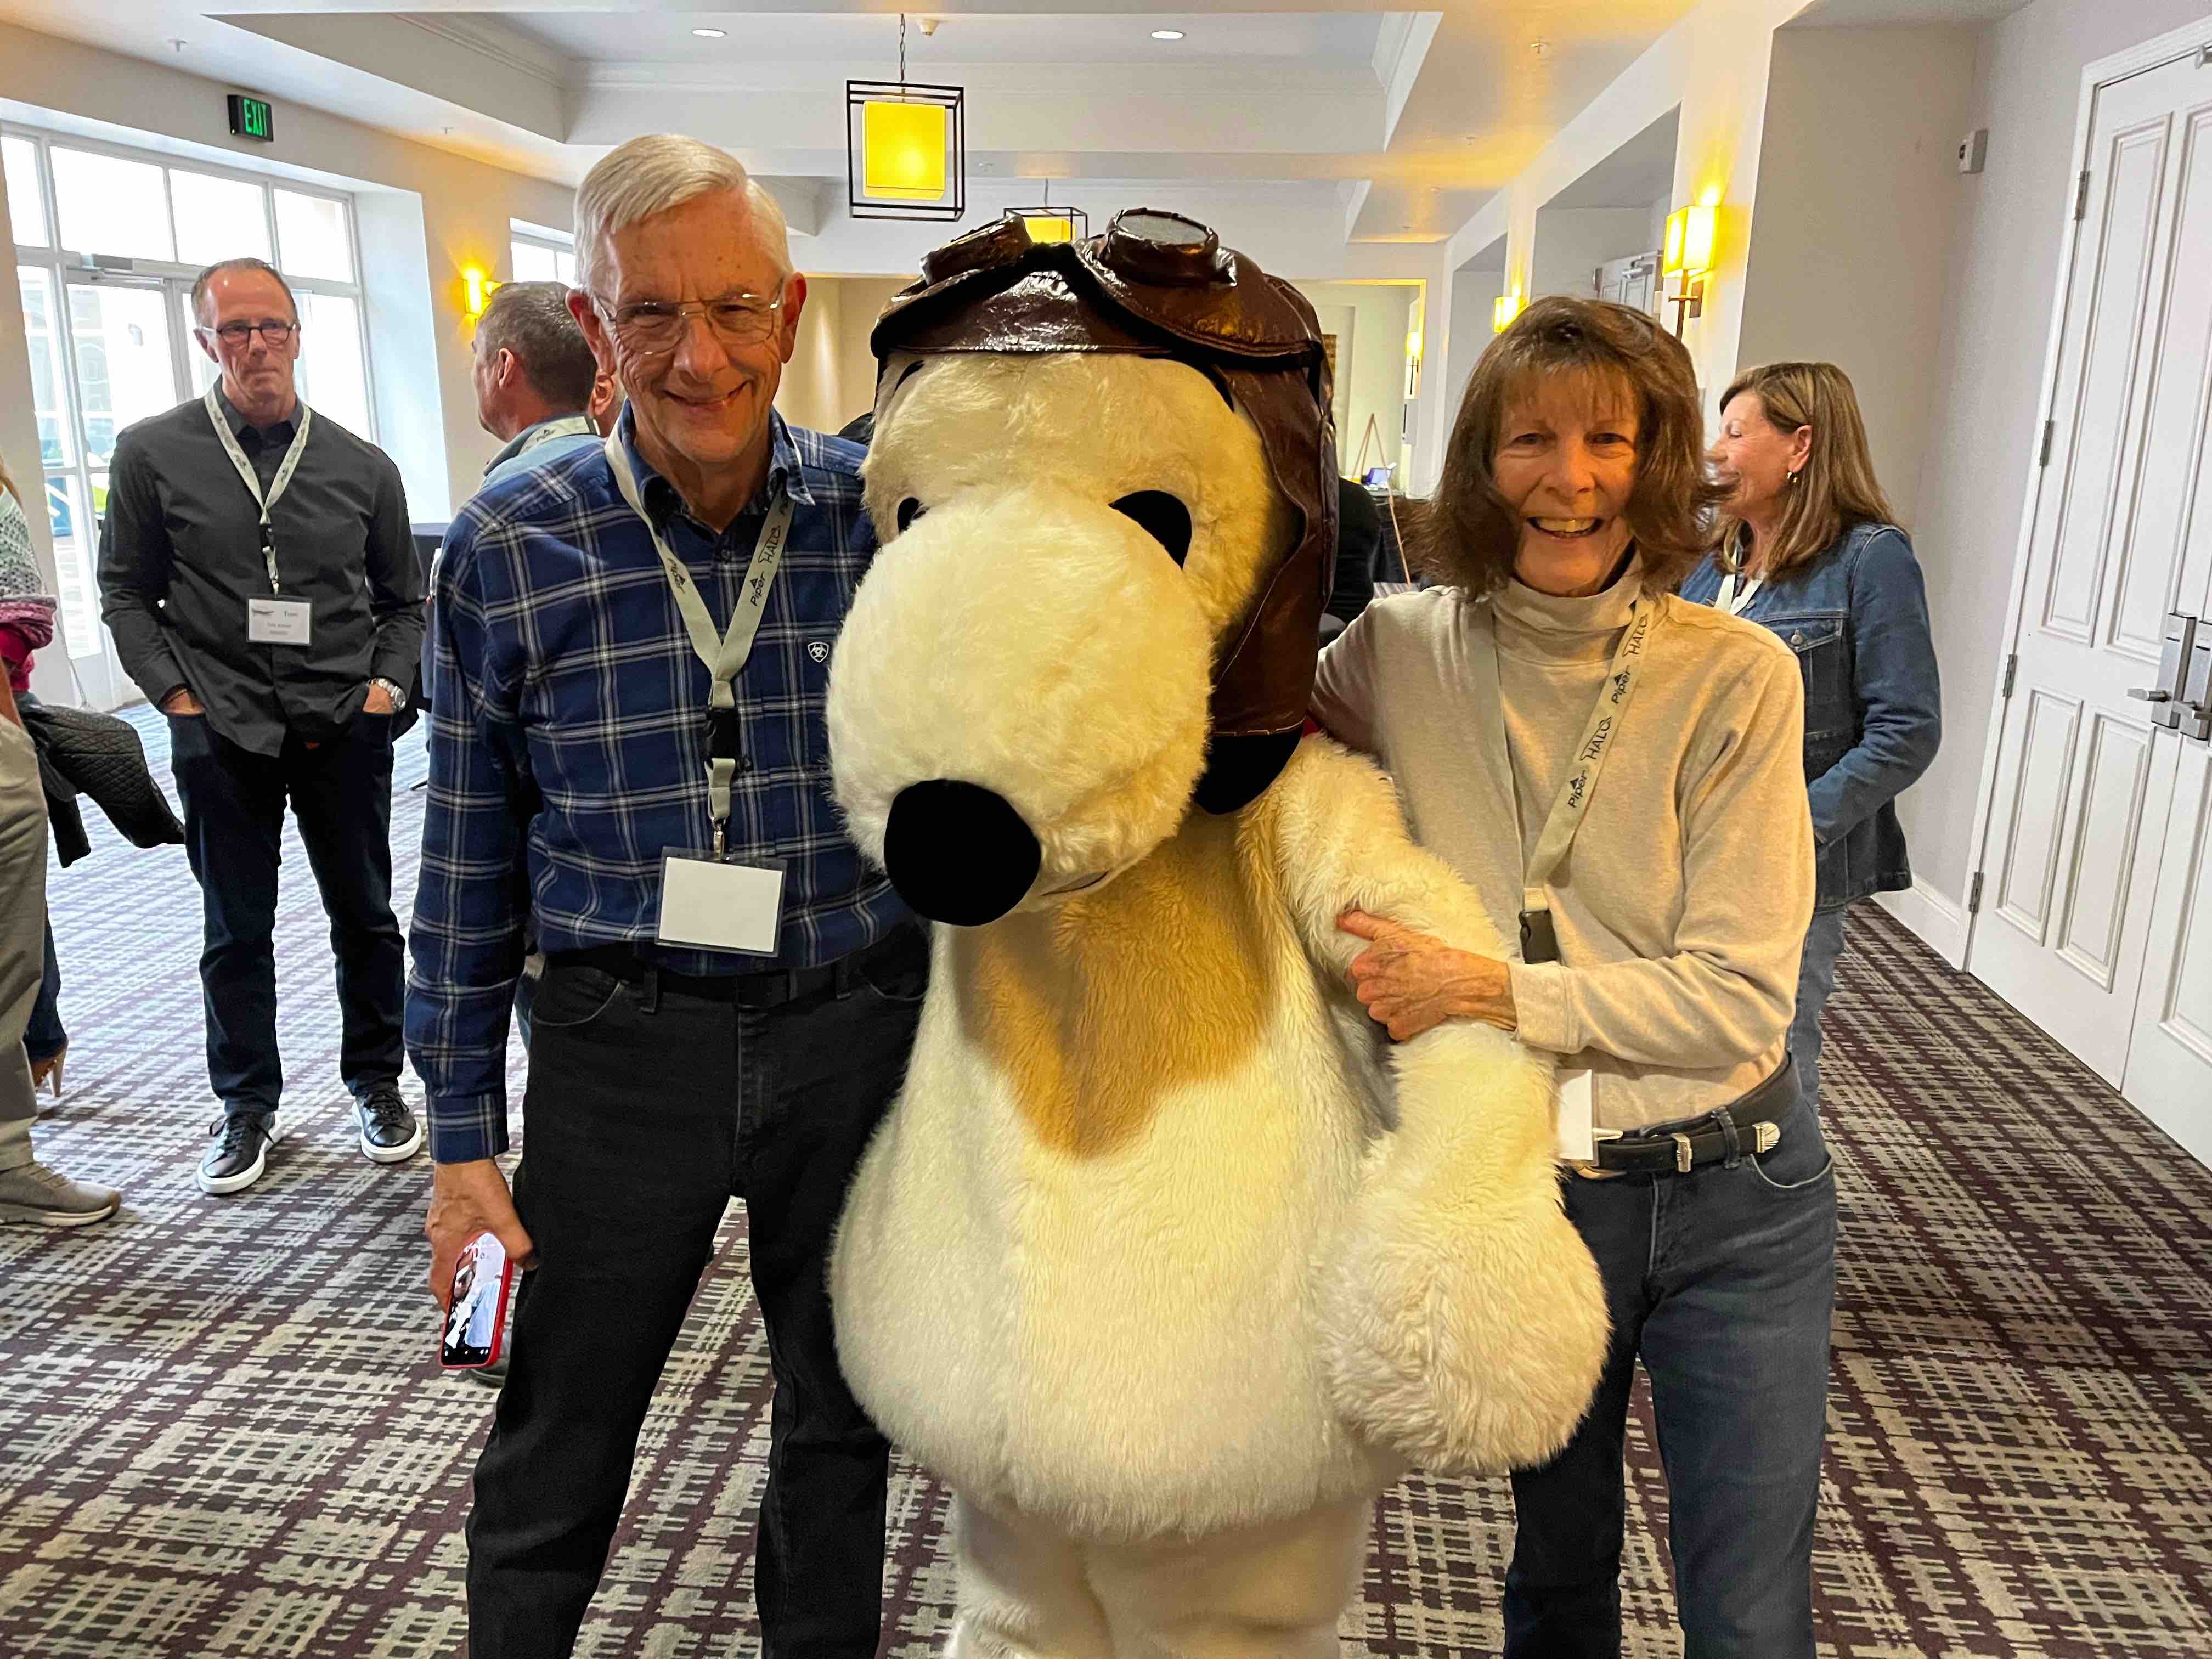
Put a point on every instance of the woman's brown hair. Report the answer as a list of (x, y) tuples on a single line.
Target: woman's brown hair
[(1468, 533), (1836, 488)]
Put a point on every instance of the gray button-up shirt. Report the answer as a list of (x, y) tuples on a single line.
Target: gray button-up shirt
[(180, 555)]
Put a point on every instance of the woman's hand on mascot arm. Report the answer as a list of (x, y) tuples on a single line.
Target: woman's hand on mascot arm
[(1412, 982)]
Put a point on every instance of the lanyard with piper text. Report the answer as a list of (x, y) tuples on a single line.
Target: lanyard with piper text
[(252, 481), (1539, 938), (725, 656)]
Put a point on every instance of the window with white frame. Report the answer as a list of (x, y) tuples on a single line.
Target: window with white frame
[(540, 255), (107, 242)]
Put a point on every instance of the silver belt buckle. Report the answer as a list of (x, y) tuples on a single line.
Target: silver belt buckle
[(1682, 1162), (1591, 1171)]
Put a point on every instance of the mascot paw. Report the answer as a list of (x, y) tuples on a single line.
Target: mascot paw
[(1468, 1345)]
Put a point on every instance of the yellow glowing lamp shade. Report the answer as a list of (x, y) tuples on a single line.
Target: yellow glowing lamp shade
[(902, 151), (1049, 227), (477, 287), (1502, 313), (1689, 240)]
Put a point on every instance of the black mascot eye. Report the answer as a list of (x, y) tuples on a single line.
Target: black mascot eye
[(1162, 517), (910, 510)]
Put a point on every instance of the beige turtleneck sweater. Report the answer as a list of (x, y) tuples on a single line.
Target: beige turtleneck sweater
[(1681, 907)]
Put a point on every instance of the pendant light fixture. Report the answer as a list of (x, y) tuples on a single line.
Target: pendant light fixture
[(1048, 224), (906, 147)]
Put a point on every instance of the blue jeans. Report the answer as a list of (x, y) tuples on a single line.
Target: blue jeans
[(45, 1037), (1816, 977), (1724, 1281)]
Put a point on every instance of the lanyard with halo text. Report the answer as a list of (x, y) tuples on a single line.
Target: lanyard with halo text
[(252, 481), (725, 656), (1539, 940)]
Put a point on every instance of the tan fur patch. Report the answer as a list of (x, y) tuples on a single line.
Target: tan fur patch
[(1099, 1011)]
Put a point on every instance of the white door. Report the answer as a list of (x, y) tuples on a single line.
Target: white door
[(2095, 803)]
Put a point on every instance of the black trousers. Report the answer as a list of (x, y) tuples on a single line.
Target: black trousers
[(340, 791), (647, 1109)]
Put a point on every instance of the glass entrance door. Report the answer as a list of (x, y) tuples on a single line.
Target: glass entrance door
[(126, 350)]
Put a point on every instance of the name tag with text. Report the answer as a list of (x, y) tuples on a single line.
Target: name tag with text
[(278, 622)]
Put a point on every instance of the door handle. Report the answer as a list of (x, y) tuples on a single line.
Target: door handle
[(2183, 639)]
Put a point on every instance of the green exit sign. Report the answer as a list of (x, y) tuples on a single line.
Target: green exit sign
[(253, 118)]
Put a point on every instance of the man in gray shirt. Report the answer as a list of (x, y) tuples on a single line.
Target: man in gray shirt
[(257, 573), (534, 377)]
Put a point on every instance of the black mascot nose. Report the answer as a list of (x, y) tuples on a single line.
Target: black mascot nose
[(957, 853)]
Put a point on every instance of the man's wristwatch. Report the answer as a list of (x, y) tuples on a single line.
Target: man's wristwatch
[(397, 693)]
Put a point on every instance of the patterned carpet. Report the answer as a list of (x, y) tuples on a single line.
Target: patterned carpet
[(223, 1430)]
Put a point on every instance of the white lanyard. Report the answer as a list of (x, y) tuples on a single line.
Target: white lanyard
[(1603, 726), (725, 656), (253, 481), (1729, 600)]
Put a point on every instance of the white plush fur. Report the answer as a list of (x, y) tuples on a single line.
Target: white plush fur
[(1157, 1239)]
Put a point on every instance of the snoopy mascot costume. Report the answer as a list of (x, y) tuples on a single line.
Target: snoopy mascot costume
[(1158, 1260)]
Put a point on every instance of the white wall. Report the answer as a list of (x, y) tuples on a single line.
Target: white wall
[(1988, 374), (1474, 294), (831, 376), (1374, 377), (1818, 285), (1713, 65), (1571, 243), (425, 215)]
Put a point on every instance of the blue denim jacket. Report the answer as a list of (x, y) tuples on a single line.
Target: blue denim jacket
[(1857, 618)]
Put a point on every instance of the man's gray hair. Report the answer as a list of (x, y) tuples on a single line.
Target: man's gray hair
[(649, 175), (244, 262), (532, 320)]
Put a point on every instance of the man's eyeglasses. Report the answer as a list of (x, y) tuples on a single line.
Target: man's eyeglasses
[(653, 328), (273, 331)]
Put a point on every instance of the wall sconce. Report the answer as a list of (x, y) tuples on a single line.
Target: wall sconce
[(906, 147), (1688, 254), (476, 288), (1502, 313), (1413, 359)]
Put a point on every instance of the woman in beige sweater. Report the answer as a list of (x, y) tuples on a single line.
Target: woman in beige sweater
[(1621, 770)]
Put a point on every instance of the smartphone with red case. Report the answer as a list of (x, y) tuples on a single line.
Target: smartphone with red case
[(476, 1313)]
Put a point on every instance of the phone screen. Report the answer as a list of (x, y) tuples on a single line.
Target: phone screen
[(478, 1309)]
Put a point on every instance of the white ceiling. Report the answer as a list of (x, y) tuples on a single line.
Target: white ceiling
[(1635, 175), (1870, 13), (869, 44), (1370, 125)]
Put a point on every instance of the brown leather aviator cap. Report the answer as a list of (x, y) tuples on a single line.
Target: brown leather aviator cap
[(1159, 285)]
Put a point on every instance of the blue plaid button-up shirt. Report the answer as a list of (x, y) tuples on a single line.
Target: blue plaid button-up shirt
[(567, 737)]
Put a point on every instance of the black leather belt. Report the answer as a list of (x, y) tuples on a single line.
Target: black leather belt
[(771, 989), (1750, 1125)]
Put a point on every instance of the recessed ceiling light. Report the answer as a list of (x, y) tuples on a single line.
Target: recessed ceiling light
[(1167, 34), (710, 34)]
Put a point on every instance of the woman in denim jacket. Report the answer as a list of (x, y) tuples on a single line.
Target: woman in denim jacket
[(1807, 548)]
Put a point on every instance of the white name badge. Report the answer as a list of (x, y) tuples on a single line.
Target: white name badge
[(277, 622), (720, 906), (1577, 1143)]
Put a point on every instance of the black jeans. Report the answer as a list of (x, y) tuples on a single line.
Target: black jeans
[(341, 793), (647, 1109)]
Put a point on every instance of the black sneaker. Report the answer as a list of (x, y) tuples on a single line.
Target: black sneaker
[(389, 1132), (240, 1153)]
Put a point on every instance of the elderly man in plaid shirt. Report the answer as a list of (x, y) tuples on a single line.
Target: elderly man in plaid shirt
[(631, 657)]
